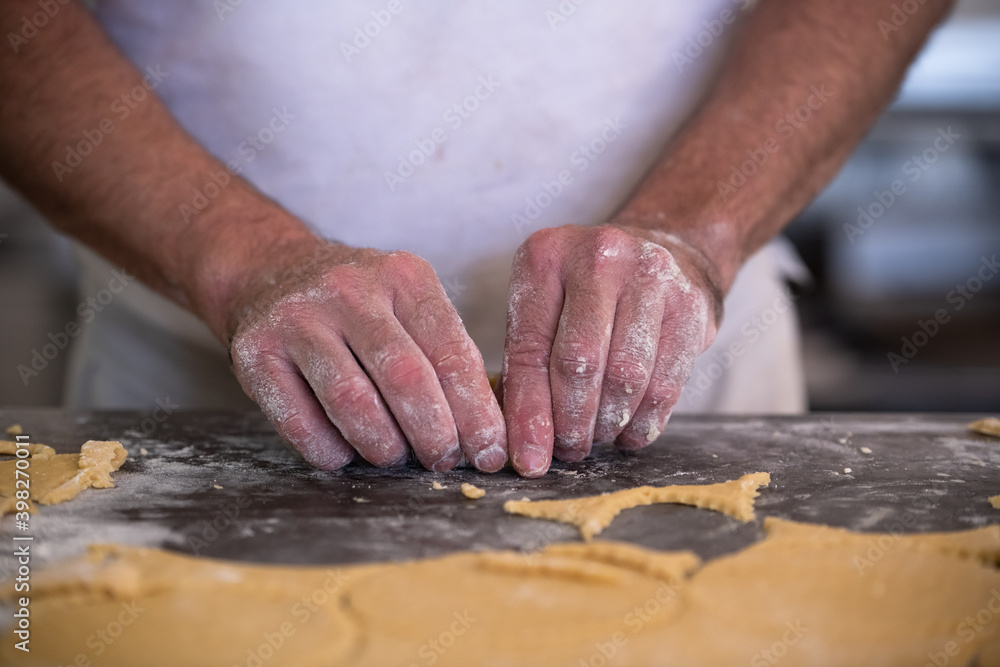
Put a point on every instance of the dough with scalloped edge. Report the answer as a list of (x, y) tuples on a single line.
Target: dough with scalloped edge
[(592, 514), (811, 595)]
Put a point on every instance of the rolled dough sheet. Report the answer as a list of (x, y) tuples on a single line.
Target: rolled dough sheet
[(592, 514), (811, 595), (56, 478), (988, 426)]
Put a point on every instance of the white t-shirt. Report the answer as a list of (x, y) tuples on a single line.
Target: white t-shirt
[(452, 130)]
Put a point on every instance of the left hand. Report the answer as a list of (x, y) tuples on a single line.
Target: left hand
[(603, 327)]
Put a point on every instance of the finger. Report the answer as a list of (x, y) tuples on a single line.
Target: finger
[(434, 325), (285, 398), (579, 356), (631, 356), (683, 336), (408, 385), (536, 299), (349, 398)]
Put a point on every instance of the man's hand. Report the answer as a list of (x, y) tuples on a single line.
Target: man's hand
[(603, 327), (361, 351)]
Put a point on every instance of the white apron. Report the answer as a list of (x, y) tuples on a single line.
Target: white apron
[(451, 130)]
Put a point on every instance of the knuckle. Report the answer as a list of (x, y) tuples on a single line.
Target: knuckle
[(336, 275), (402, 369), (531, 349), (538, 253), (545, 236), (626, 370), (294, 427), (609, 242), (655, 259), (345, 286), (354, 300), (289, 312), (254, 352), (452, 358), (244, 350), (348, 395), (577, 361), (407, 265), (432, 311), (662, 394)]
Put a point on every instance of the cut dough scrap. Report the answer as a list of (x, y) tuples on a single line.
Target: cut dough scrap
[(669, 566), (988, 426), (14, 429), (800, 593), (62, 477), (592, 514), (995, 501), (472, 492), (98, 460), (9, 506), (36, 449)]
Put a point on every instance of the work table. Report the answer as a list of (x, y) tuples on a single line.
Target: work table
[(222, 484)]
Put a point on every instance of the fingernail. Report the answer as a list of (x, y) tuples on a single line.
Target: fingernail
[(531, 460), (490, 459), (448, 461), (571, 454), (403, 459)]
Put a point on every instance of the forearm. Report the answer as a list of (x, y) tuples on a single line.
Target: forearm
[(829, 57), (120, 188)]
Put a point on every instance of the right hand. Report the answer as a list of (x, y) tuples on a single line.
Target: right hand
[(360, 351)]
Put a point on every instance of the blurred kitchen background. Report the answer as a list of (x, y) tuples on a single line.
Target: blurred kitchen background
[(873, 288), (873, 283)]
